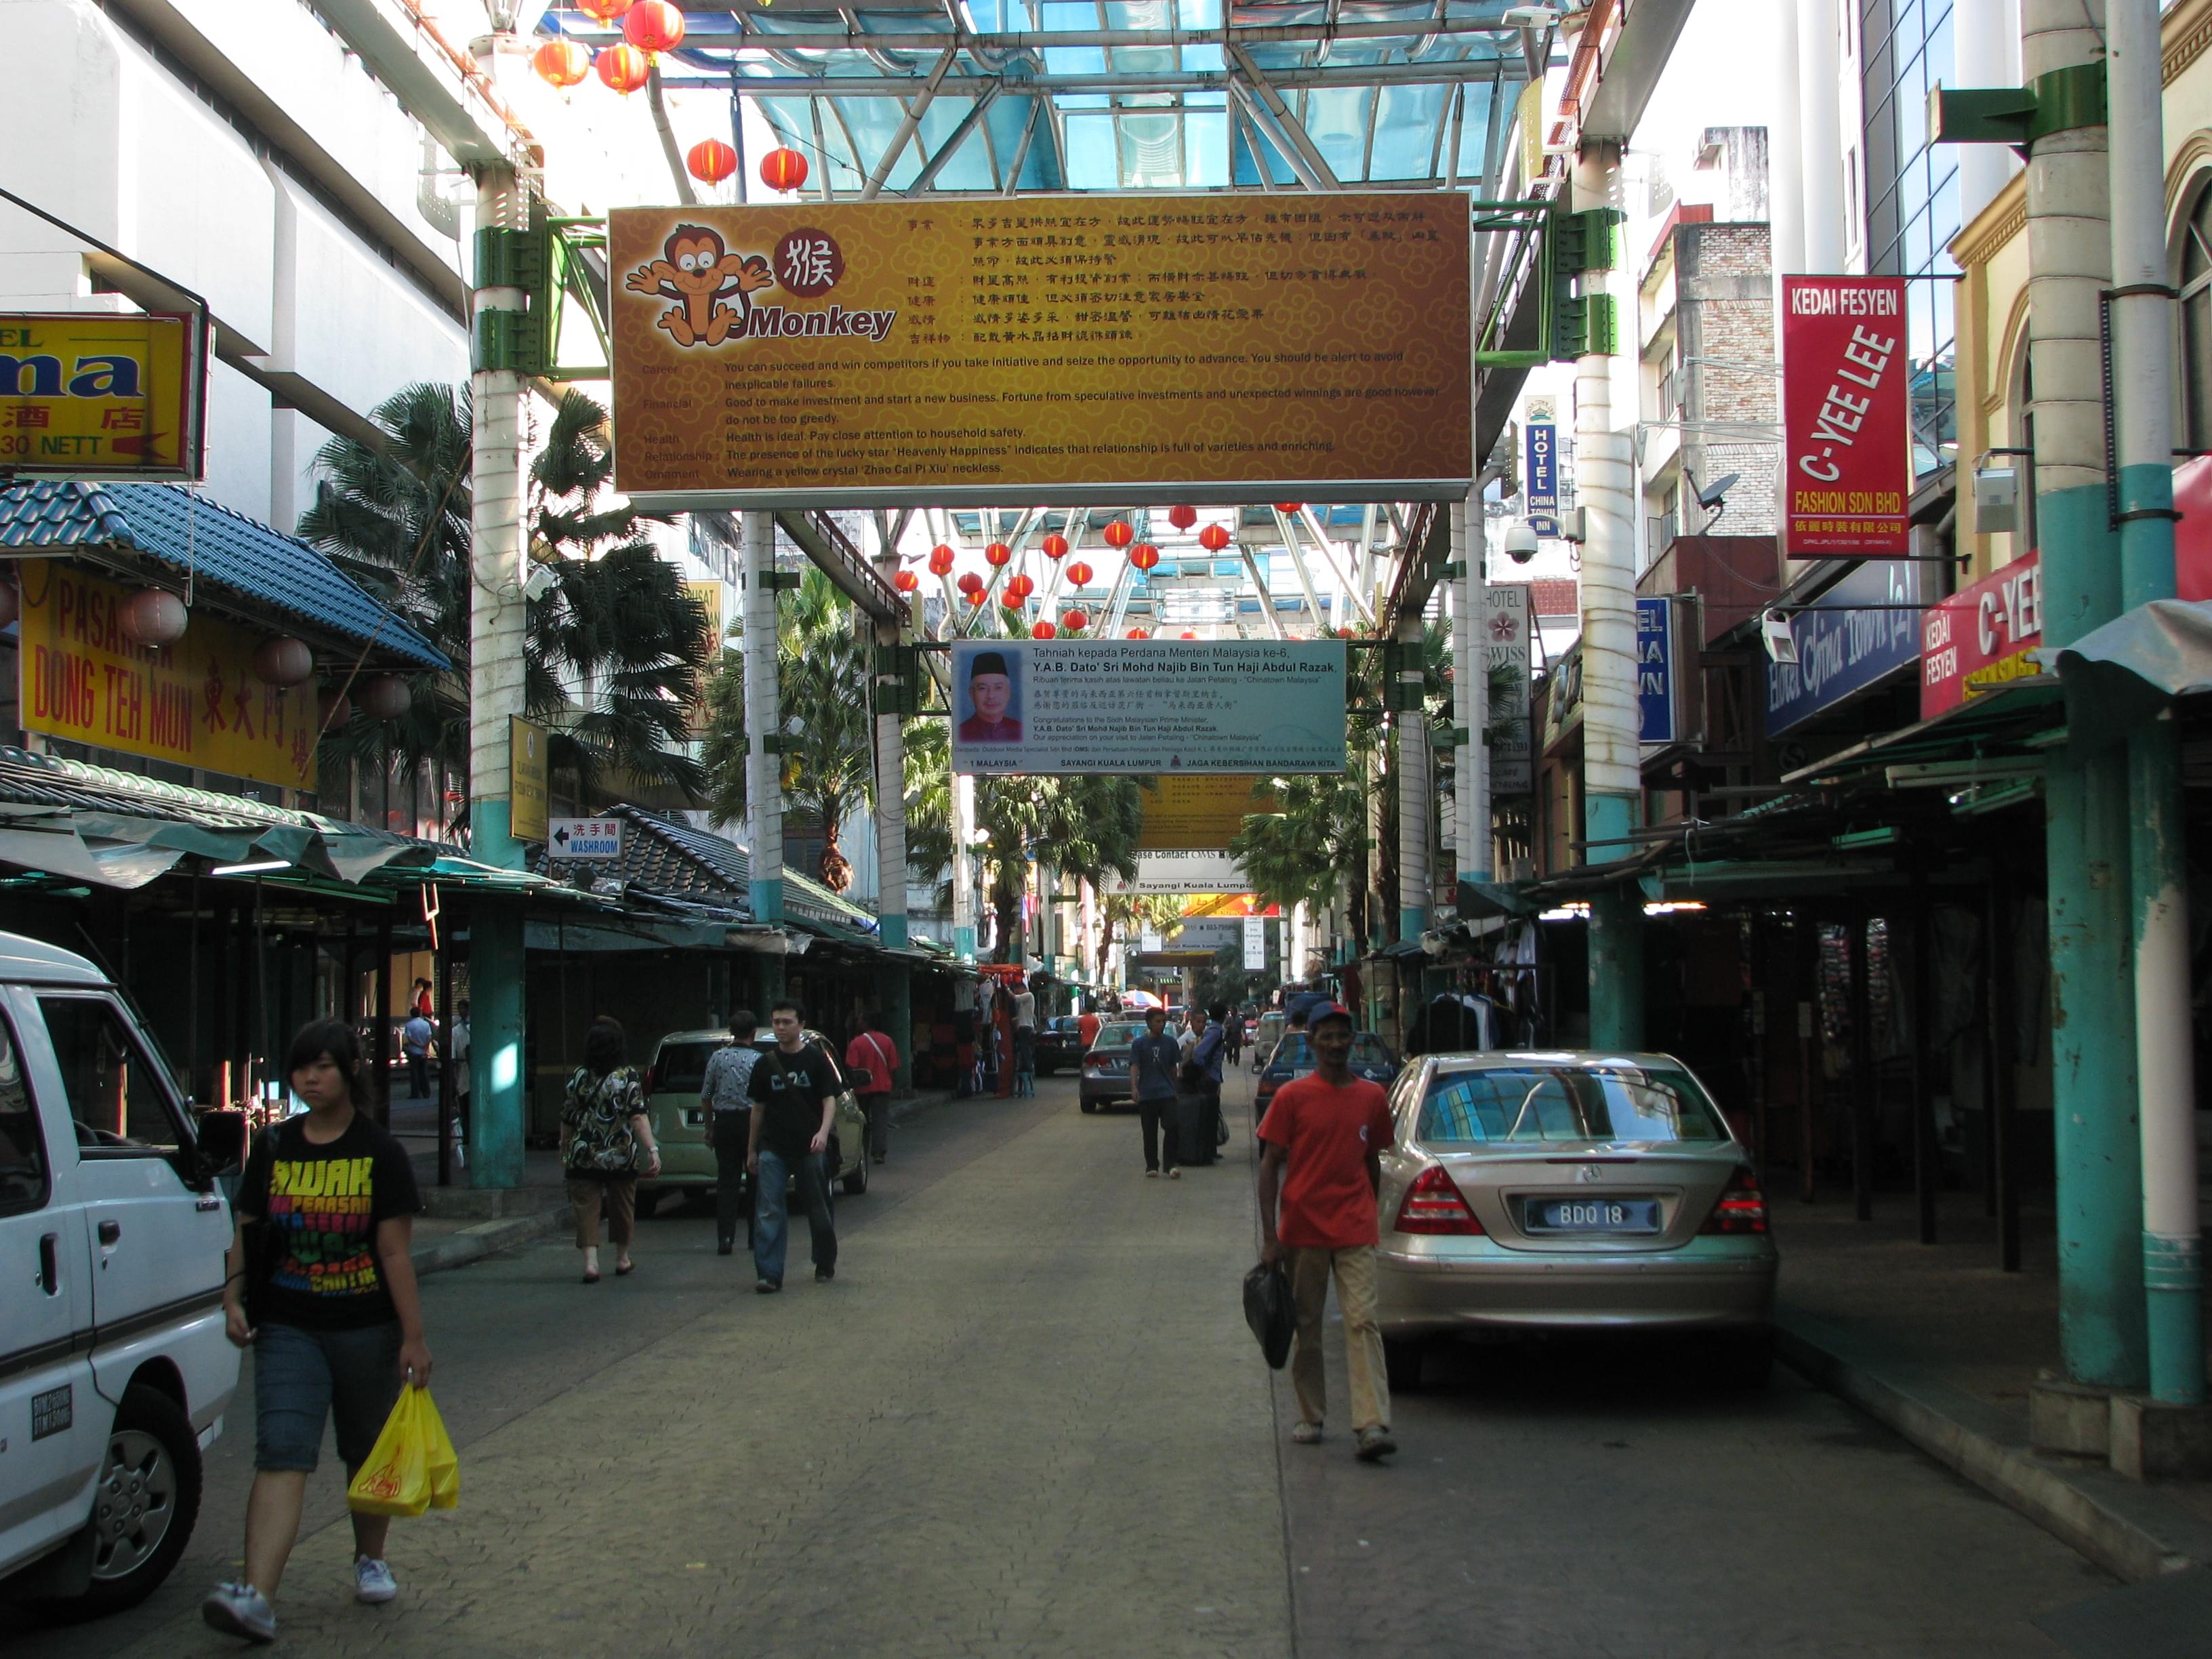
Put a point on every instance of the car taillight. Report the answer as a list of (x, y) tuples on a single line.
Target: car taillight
[(652, 1080), (1433, 1204), (1742, 1207)]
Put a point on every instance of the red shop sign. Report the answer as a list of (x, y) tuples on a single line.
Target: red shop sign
[(1846, 417), (1979, 639)]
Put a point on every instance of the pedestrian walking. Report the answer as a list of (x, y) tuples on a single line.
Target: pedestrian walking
[(322, 1288), (1025, 1041), (419, 1002), (794, 1090), (873, 1057), (1086, 1028), (416, 1037), (1232, 1035), (725, 1097), (1324, 1137), (1155, 1061), (457, 1048), (606, 1143), (1204, 1076)]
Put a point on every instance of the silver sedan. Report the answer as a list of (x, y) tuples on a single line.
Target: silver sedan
[(1569, 1191)]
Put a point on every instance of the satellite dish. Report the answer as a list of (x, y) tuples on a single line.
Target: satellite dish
[(1714, 495)]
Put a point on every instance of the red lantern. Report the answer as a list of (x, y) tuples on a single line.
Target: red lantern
[(1055, 546), (1182, 516), (1042, 631), (606, 10), (940, 559), (1288, 507), (711, 160), (387, 697), (1079, 573), (1143, 555), (562, 63), (970, 582), (153, 615), (906, 581), (653, 26), (1075, 622), (974, 597), (1019, 588), (998, 553), (334, 707), (285, 661), (783, 169), (1139, 634), (1118, 534), (1214, 538), (623, 68)]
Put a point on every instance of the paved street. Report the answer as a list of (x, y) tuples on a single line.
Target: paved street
[(1026, 1418)]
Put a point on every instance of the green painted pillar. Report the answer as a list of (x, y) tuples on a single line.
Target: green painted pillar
[(898, 1018), (498, 1081), (1616, 934)]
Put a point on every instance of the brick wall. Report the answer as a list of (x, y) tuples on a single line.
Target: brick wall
[(1725, 310)]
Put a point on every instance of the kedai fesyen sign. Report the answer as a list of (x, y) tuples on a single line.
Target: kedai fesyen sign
[(1846, 416)]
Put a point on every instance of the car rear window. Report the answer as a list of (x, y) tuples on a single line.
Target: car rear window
[(1117, 1037), (680, 1067), (1566, 1102), (1296, 1049)]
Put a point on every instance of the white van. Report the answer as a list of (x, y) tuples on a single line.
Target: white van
[(114, 1370)]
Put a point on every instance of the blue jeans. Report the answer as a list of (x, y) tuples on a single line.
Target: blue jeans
[(303, 1378), (770, 1225)]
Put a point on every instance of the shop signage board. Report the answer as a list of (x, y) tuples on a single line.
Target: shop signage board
[(1509, 632), (1864, 628), (1187, 814), (1137, 707), (1202, 348), (1164, 873), (97, 394), (526, 778), (1847, 414), (1540, 468), (1654, 671), (195, 703), (1255, 943), (585, 838), (1980, 640)]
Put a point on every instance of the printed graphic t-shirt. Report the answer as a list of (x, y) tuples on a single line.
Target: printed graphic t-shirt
[(1326, 1133), (791, 1087), (322, 1205)]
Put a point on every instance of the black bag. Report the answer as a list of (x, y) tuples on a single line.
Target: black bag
[(1220, 1125), (1270, 1313)]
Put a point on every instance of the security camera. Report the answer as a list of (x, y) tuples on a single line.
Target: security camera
[(1781, 644), (1519, 542)]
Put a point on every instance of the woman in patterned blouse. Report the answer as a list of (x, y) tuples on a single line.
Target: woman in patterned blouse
[(606, 1143)]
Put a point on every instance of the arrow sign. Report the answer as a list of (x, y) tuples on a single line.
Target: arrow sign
[(586, 838)]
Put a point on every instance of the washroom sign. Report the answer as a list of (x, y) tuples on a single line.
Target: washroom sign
[(1847, 419)]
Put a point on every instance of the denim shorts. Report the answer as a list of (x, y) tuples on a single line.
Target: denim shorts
[(302, 1376)]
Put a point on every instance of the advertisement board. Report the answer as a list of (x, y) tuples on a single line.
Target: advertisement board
[(526, 778), (1864, 629), (1541, 479), (1190, 814), (1654, 671), (1043, 351), (1509, 632), (1180, 872), (1147, 706), (95, 394), (195, 703), (1256, 944), (1979, 638), (1846, 418)]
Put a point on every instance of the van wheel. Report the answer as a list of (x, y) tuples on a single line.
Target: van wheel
[(646, 1201), (143, 1508), (856, 1179)]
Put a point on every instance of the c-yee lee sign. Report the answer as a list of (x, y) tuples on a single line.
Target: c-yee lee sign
[(1865, 627), (1980, 640), (1846, 417)]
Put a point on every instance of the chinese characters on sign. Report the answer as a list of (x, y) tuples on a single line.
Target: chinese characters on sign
[(1846, 417), (195, 703), (95, 395), (585, 838), (1192, 814), (1507, 632), (1012, 351), (1980, 639)]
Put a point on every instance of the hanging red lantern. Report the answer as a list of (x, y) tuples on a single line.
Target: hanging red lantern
[(1214, 538), (1139, 634), (1188, 634), (1118, 534), (153, 615), (711, 160), (562, 63), (970, 582), (1055, 546), (1075, 622), (284, 661), (653, 26), (1288, 507), (606, 10), (974, 596), (1143, 555), (906, 581), (387, 697), (623, 68), (940, 559), (1042, 631), (1079, 573), (1182, 516), (783, 169), (333, 707), (998, 553), (1019, 588)]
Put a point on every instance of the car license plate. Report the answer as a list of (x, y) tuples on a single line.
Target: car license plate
[(1594, 1215), (694, 1118)]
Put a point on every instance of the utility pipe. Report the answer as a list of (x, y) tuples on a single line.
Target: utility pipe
[(1411, 726), (1471, 694), (763, 723)]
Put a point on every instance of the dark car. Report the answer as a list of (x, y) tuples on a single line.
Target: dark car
[(1059, 1045), (1293, 1057)]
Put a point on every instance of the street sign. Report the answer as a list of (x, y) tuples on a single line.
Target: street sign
[(101, 394), (1214, 871), (1654, 670), (1847, 419), (1255, 943), (526, 778), (585, 838)]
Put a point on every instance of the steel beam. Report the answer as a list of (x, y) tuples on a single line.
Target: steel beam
[(907, 126), (1015, 42), (1451, 72), (946, 150)]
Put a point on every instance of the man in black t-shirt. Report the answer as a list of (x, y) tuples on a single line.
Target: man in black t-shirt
[(795, 1091)]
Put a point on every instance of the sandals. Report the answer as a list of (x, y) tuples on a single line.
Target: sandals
[(591, 1279), (624, 1269)]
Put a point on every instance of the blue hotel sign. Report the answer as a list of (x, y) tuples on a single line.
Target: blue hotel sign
[(1845, 644), (1541, 477), (1654, 670)]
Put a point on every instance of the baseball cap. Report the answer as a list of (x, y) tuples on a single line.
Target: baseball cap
[(1322, 1011)]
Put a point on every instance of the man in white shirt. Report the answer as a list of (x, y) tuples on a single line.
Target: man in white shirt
[(1024, 1041)]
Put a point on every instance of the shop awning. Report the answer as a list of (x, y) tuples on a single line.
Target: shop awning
[(2133, 664)]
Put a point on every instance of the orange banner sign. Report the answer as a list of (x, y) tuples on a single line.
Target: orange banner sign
[(1200, 813), (1216, 348), (196, 703)]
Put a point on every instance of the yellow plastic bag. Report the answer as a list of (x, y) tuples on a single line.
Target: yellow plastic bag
[(412, 1466)]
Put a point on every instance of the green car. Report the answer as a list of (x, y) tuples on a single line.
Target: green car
[(679, 1122)]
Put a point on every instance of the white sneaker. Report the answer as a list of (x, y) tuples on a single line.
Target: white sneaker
[(373, 1581), (239, 1610)]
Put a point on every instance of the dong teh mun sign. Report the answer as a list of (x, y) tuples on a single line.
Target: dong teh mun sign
[(1846, 417)]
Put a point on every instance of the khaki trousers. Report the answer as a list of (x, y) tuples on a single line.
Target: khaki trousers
[(1354, 1269), (619, 1193)]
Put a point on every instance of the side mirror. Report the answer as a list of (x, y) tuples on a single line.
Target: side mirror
[(221, 1144)]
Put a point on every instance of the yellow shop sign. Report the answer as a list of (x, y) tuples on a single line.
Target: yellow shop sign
[(89, 394)]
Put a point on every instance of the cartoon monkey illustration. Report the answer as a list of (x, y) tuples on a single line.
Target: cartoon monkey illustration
[(697, 271)]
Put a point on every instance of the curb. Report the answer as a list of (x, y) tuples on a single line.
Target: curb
[(2130, 1530), (486, 1239)]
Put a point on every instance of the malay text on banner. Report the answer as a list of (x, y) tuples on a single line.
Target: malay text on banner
[(1166, 874), (1847, 414), (1147, 706), (1982, 638), (195, 703), (1025, 352)]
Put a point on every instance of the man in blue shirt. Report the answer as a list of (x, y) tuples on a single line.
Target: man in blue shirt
[(1154, 1060)]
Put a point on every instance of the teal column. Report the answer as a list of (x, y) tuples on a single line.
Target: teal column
[(1616, 931), (898, 1018), (499, 1087)]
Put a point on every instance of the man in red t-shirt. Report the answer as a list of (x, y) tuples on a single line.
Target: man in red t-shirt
[(871, 1057), (1087, 1029), (1324, 1134)]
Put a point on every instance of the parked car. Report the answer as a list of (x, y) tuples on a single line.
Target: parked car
[(672, 1078), (1059, 1045), (1266, 1033), (1106, 1066), (1292, 1057), (1563, 1191), (114, 1370)]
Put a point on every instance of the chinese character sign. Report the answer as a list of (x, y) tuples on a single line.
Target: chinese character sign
[(844, 352), (1846, 417), (1196, 813), (1980, 640), (196, 702), (96, 395)]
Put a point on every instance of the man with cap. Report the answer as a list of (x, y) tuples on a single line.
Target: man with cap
[(1324, 1137), (990, 691)]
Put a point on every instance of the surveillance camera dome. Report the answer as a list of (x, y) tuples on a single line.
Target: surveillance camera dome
[(1520, 543)]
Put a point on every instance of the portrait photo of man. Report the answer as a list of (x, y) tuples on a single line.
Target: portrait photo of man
[(990, 700)]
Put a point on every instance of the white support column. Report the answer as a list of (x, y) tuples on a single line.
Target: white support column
[(891, 814), (763, 722), (1411, 726), (1471, 838), (1820, 133), (1985, 52)]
